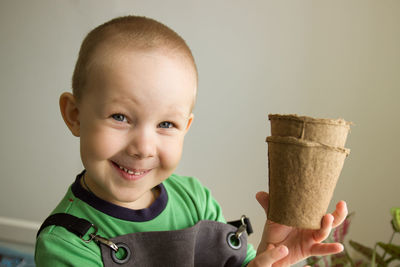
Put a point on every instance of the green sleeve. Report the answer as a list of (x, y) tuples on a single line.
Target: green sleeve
[(210, 207), (54, 250)]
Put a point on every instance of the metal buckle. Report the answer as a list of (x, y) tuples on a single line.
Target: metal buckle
[(92, 235), (105, 241), (233, 238), (99, 239), (242, 228)]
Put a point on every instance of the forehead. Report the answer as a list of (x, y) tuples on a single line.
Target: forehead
[(113, 52), (142, 73), (116, 47)]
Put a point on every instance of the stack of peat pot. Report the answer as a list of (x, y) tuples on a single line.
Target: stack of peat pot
[(305, 158)]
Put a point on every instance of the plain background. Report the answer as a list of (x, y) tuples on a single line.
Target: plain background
[(318, 58)]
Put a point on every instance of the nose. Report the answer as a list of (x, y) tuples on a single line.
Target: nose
[(142, 144)]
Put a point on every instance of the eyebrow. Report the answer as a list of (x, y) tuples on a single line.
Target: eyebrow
[(177, 111), (118, 100), (171, 110)]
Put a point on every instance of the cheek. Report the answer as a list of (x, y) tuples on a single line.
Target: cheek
[(170, 152), (100, 144)]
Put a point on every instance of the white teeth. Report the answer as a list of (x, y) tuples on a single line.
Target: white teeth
[(130, 172)]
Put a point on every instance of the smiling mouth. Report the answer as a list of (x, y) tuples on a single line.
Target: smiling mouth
[(131, 172)]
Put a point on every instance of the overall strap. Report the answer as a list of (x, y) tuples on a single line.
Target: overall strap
[(77, 226), (72, 223), (80, 226)]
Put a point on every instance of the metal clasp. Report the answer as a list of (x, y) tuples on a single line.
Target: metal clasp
[(99, 239), (91, 236), (242, 228), (105, 241)]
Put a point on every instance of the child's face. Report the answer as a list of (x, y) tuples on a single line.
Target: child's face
[(133, 119)]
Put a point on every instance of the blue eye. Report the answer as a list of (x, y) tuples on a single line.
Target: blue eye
[(118, 117), (166, 124)]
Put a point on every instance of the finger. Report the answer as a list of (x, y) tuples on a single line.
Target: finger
[(339, 214), (262, 198), (322, 249), (270, 246), (271, 255), (326, 227)]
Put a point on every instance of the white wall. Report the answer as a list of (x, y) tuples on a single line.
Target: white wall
[(318, 58)]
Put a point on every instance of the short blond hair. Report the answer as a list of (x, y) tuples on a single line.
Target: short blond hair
[(136, 31)]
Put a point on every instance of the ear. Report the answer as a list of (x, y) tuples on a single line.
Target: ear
[(189, 123), (70, 113)]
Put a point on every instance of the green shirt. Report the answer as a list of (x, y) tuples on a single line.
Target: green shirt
[(182, 202)]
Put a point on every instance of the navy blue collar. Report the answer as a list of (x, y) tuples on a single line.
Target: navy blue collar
[(119, 212)]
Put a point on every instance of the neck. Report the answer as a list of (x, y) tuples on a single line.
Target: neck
[(139, 204)]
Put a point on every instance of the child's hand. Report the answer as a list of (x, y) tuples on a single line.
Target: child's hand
[(271, 255), (300, 243)]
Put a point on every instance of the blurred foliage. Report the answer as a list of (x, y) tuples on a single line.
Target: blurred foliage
[(382, 254)]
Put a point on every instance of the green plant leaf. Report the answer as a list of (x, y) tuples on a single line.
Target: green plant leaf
[(341, 261), (392, 249), (396, 218), (313, 260), (373, 260), (367, 252)]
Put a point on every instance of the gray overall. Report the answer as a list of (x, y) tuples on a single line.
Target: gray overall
[(208, 243)]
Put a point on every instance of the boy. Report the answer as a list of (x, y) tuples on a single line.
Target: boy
[(134, 88)]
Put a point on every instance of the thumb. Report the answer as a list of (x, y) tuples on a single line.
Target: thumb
[(262, 198)]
